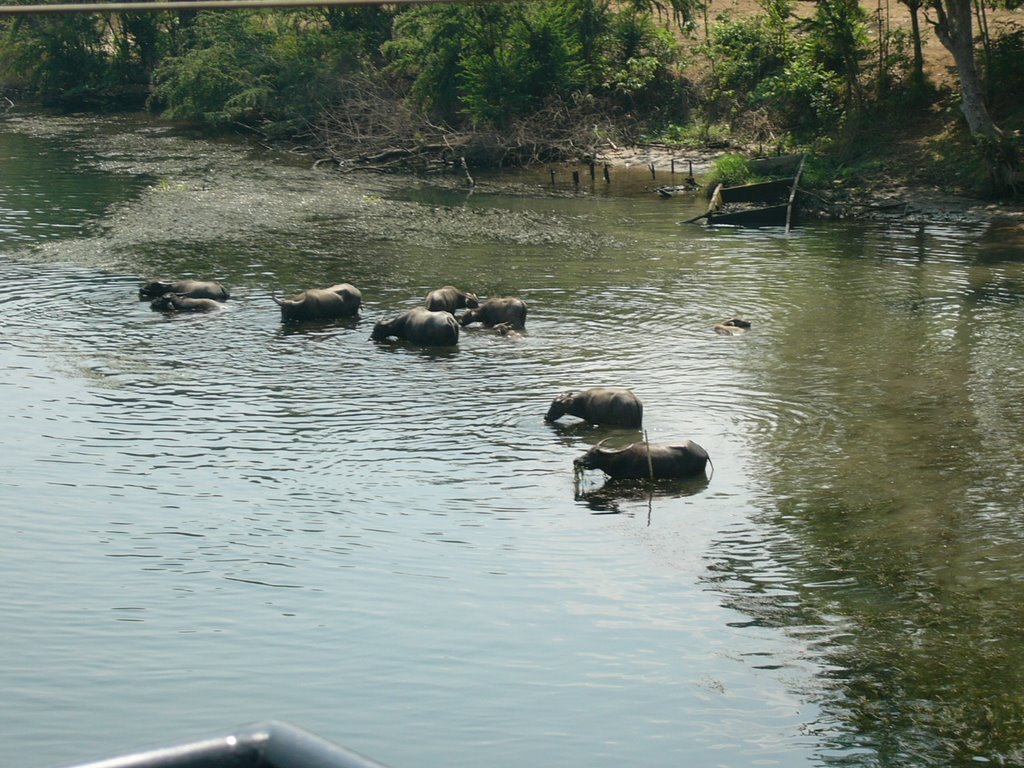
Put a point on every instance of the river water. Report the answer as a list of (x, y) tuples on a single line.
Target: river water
[(210, 520)]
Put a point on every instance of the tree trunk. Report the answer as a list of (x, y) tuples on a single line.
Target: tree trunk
[(915, 31), (955, 30)]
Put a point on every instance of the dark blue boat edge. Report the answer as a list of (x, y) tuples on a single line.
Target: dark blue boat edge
[(270, 744)]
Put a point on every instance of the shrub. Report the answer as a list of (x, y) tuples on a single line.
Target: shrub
[(60, 59), (268, 69), (490, 65), (806, 97), (728, 170), (1005, 72)]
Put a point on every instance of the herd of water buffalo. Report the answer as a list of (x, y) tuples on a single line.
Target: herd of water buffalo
[(435, 324)]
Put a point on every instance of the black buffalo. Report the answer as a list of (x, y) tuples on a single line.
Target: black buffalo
[(611, 406), (419, 326), (646, 461), (449, 298), (193, 289), (175, 302), (342, 300), (497, 312)]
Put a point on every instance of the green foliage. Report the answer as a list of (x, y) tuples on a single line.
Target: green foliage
[(805, 96), (426, 49), (519, 56), (273, 69), (799, 79), (224, 76), (1004, 74), (728, 170), (771, 79), (79, 60), (56, 57), (637, 65), (490, 64), (691, 134), (742, 53), (837, 41)]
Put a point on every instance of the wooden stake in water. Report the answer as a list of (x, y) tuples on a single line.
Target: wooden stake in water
[(650, 463)]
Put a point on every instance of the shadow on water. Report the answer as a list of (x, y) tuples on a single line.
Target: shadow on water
[(609, 498), (322, 329), (574, 432)]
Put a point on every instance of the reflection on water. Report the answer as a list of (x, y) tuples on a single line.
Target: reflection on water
[(214, 518), (608, 497)]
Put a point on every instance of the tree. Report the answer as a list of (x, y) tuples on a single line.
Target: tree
[(954, 28), (917, 73), (837, 37)]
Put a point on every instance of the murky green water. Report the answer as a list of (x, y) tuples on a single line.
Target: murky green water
[(212, 520)]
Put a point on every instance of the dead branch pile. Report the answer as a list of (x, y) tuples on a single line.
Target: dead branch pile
[(374, 127)]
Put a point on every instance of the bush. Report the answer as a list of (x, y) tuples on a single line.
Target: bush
[(490, 65), (275, 70), (60, 59), (1005, 74), (728, 170), (741, 53), (806, 97), (223, 76)]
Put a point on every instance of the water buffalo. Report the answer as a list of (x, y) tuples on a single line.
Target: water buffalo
[(646, 461), (193, 289), (342, 300), (175, 302), (732, 326), (420, 326), (496, 312), (612, 406), (507, 329), (449, 298)]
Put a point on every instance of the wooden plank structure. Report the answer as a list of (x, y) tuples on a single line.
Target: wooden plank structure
[(762, 204)]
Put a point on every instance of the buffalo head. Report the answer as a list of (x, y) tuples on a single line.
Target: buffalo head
[(560, 406)]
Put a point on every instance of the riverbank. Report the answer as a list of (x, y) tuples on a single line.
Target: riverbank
[(887, 196)]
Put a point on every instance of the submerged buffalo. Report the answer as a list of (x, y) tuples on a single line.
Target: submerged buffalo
[(193, 289), (175, 302), (449, 298), (498, 311), (506, 329), (732, 326), (420, 326), (611, 406), (646, 461), (342, 300)]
